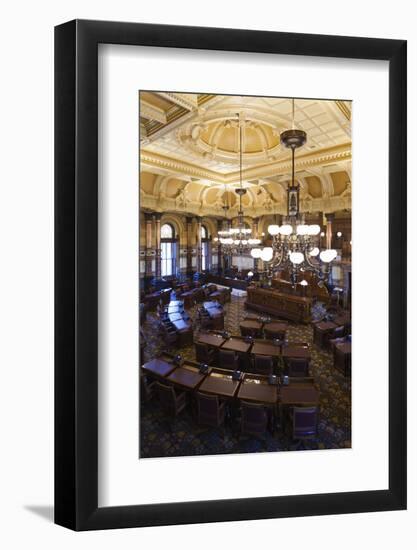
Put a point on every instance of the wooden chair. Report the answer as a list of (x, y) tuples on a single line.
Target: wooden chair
[(304, 421), (171, 401), (204, 318), (228, 359), (210, 410), (147, 389), (263, 364), (170, 336), (254, 420), (297, 367), (246, 331), (203, 353), (338, 332), (271, 334)]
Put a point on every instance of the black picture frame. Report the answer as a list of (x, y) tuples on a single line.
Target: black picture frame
[(76, 271)]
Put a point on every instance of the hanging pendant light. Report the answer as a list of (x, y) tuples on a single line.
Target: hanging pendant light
[(236, 239), (295, 244)]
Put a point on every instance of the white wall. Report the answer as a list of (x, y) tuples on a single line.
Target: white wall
[(26, 305)]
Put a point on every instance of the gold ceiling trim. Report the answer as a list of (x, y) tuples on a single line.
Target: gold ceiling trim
[(174, 113), (336, 153), (187, 101), (344, 109), (307, 204), (155, 160), (151, 112), (203, 98)]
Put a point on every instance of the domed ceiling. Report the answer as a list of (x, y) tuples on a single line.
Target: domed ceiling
[(190, 151), (219, 140)]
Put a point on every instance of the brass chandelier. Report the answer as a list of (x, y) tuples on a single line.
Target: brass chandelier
[(237, 239), (295, 245)]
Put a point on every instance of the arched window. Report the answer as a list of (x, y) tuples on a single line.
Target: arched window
[(168, 248), (167, 231), (205, 250)]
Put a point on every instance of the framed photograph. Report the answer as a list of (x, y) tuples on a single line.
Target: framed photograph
[(230, 214)]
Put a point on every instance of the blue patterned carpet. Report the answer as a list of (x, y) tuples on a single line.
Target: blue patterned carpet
[(160, 437)]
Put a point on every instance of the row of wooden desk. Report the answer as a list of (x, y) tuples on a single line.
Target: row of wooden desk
[(253, 388), (287, 306), (323, 330), (181, 322), (152, 300), (206, 292), (257, 327), (215, 312), (256, 347), (342, 357)]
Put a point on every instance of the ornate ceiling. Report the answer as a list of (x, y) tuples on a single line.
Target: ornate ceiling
[(189, 153)]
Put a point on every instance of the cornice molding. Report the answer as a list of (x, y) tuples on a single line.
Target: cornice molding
[(177, 167), (197, 209), (151, 112), (188, 101)]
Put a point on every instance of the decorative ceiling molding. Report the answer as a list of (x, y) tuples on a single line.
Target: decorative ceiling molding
[(313, 158), (188, 101), (344, 109), (310, 159), (177, 115), (308, 204), (198, 147), (178, 167), (151, 112)]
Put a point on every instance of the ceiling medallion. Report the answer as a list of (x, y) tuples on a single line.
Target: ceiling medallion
[(216, 137)]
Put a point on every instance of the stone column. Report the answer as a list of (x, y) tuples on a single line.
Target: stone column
[(148, 247), (199, 220), (329, 218), (157, 217), (219, 249), (255, 229), (189, 220)]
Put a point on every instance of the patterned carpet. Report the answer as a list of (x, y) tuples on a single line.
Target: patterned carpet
[(160, 437)]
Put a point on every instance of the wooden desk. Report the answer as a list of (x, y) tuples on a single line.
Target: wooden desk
[(342, 319), (295, 308), (211, 304), (213, 340), (320, 330), (181, 325), (174, 316), (216, 314), (251, 326), (186, 377), (176, 303), (228, 281), (344, 347), (217, 383), (236, 344), (158, 367), (152, 300), (218, 296), (325, 326), (275, 330), (296, 352), (265, 348), (257, 390), (298, 393), (342, 357), (191, 296)]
